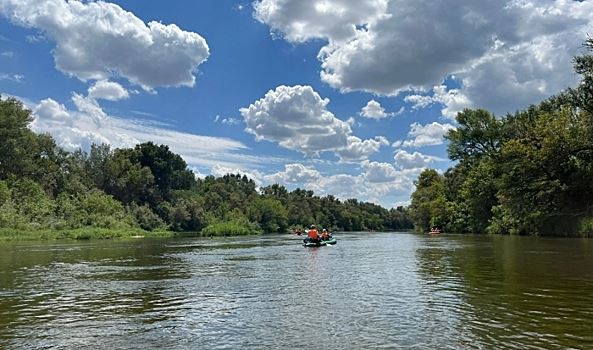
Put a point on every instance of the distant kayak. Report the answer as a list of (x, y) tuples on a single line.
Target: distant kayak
[(320, 243)]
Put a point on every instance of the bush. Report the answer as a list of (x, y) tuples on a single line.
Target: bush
[(187, 215), (69, 212), (32, 203), (102, 210), (146, 218), (586, 227)]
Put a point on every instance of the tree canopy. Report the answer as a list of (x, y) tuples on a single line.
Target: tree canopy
[(530, 172), (44, 187)]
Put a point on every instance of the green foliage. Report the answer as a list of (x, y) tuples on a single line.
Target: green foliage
[(479, 134), (187, 215), (32, 203), (15, 136), (585, 227), (11, 234), (428, 207), (270, 214), (5, 194), (528, 173), (102, 210), (148, 187), (146, 218)]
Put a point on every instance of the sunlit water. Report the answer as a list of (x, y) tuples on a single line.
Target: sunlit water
[(371, 290)]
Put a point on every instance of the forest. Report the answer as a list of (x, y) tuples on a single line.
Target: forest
[(150, 188), (527, 173)]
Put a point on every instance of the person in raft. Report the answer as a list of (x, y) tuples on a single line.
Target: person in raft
[(312, 235), (325, 236)]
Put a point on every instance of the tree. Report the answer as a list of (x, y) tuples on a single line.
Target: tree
[(270, 214), (428, 205), (479, 134), (169, 169)]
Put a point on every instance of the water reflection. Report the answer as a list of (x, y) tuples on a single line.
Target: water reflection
[(514, 292), (369, 291)]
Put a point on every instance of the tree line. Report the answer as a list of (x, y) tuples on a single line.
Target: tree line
[(43, 186), (527, 173)]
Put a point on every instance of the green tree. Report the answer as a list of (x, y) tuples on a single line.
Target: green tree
[(479, 134), (428, 207), (270, 214)]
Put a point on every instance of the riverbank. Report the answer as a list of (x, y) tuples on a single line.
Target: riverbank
[(7, 234)]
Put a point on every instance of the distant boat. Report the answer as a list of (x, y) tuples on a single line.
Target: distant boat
[(434, 231)]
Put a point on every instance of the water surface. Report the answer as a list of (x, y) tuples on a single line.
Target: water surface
[(371, 290)]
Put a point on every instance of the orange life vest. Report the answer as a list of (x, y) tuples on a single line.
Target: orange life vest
[(313, 234)]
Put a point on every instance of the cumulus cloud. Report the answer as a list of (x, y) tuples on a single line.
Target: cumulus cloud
[(374, 110), (376, 172), (299, 21), (297, 118), (425, 135), (108, 90), (100, 40), (294, 174), (377, 182), (49, 109), (88, 124), (506, 55), (452, 100), (416, 160)]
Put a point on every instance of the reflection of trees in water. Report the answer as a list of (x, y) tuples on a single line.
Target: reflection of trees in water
[(512, 291)]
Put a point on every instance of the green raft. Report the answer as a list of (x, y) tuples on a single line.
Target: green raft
[(320, 243)]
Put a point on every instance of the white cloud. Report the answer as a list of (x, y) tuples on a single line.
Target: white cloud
[(88, 124), (416, 160), (108, 90), (374, 110), (7, 54), (376, 172), (299, 21), (50, 109), (15, 78), (294, 174), (342, 186), (297, 118), (377, 182), (386, 47), (100, 40), (227, 121), (425, 135), (452, 100)]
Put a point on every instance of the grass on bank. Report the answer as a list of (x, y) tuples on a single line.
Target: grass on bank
[(9, 234), (218, 229)]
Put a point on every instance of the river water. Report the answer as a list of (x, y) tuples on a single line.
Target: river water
[(370, 291)]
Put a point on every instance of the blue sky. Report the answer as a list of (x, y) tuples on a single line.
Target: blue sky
[(344, 97)]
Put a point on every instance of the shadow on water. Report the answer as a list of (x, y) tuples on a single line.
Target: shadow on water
[(512, 292)]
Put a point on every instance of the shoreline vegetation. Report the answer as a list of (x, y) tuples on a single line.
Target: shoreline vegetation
[(527, 173), (49, 192)]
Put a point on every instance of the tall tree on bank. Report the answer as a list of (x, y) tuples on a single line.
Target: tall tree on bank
[(526, 173)]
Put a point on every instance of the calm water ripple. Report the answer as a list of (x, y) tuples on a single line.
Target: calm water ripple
[(379, 291)]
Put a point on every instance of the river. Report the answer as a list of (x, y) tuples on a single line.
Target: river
[(370, 291)]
